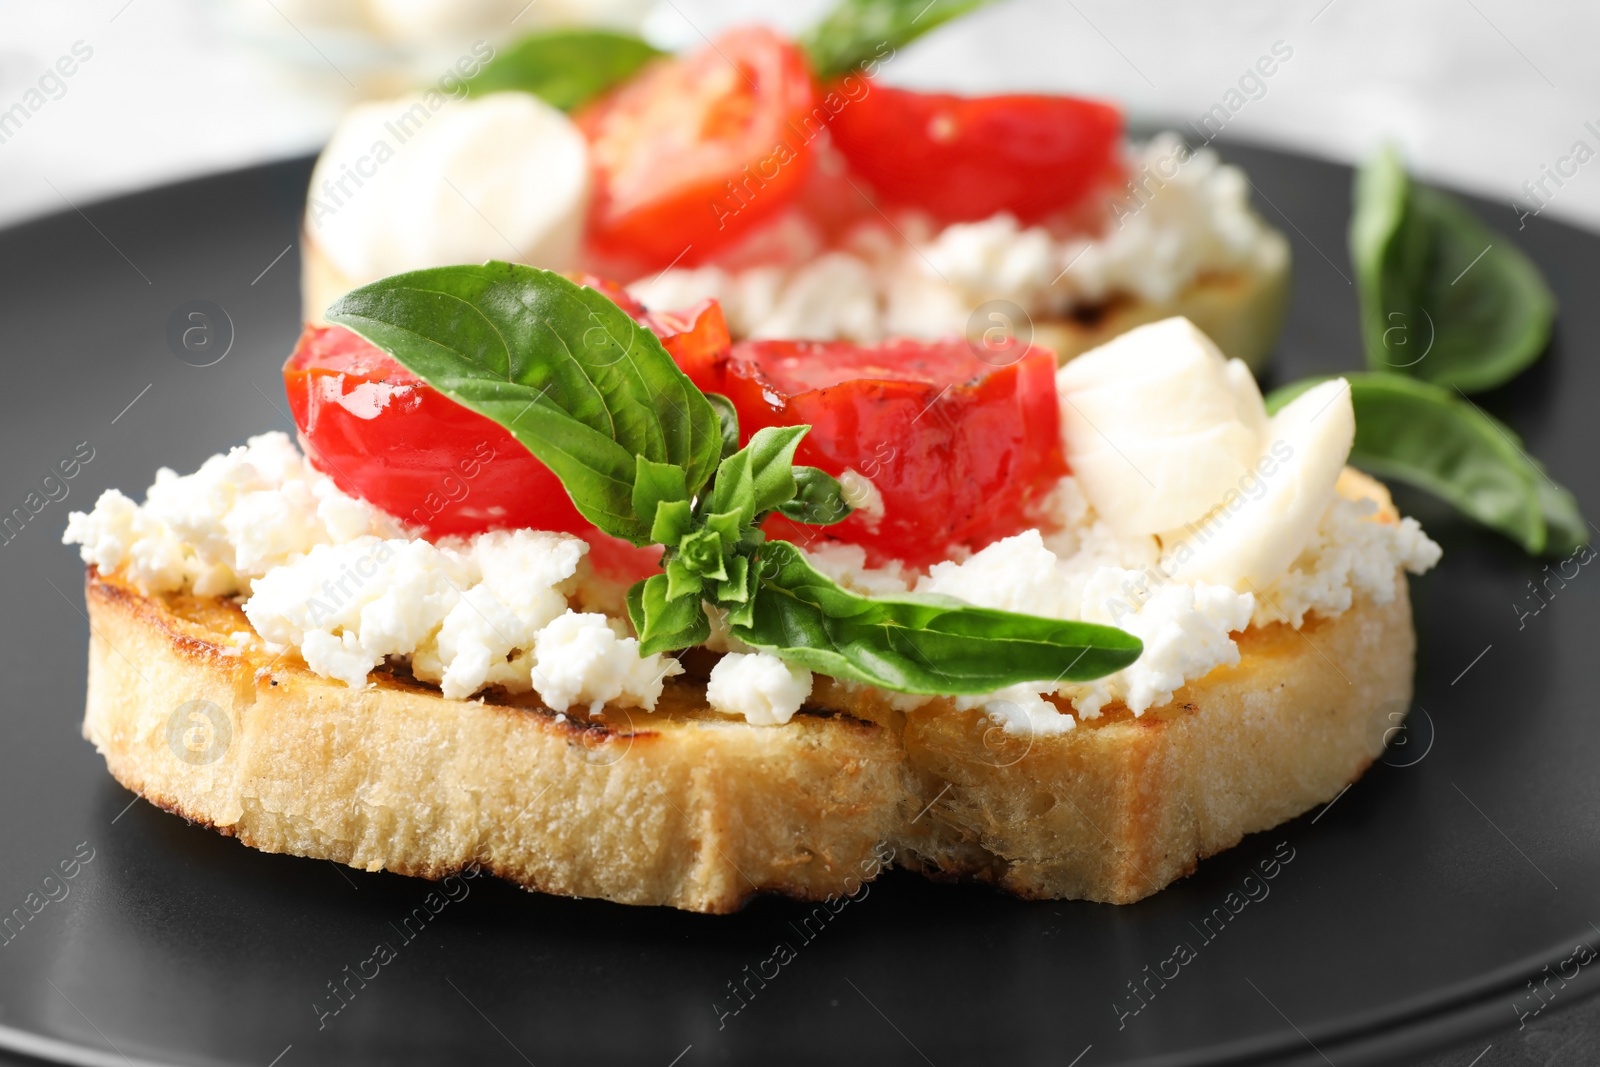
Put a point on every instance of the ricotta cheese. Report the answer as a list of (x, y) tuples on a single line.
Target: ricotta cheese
[(1185, 628), (214, 531), (1351, 553), (345, 585), (467, 614), (1182, 215), (584, 659), (760, 686)]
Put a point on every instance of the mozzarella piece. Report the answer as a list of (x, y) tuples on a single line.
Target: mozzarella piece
[(1252, 535), (760, 686), (428, 180), (1157, 427)]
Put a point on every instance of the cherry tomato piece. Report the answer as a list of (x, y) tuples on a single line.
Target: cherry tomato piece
[(960, 450), (964, 158), (695, 337), (695, 151), (386, 436)]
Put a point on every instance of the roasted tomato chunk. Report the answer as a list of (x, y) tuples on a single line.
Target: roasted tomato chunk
[(964, 158), (960, 450), (696, 151)]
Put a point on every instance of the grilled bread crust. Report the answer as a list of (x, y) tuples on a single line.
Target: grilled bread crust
[(695, 810), (1241, 311)]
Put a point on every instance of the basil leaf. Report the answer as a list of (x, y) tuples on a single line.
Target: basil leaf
[(665, 625), (1567, 528), (1443, 298), (772, 464), (1425, 435), (655, 484), (564, 68), (917, 645), (857, 32), (728, 420), (818, 499), (673, 519), (733, 493), (585, 388)]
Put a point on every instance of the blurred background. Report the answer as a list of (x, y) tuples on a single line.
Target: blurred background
[(1487, 95)]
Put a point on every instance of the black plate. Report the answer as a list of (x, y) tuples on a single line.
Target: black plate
[(1412, 912)]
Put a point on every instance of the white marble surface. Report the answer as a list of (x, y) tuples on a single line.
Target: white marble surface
[(1482, 94)]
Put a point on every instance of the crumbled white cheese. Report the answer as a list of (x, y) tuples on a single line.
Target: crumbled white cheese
[(343, 583), (761, 687), (847, 565), (211, 532), (1021, 710), (1186, 629), (1349, 554), (1182, 215), (348, 607), (468, 614), (581, 659)]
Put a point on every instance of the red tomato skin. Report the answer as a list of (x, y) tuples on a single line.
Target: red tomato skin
[(966, 158), (697, 339), (688, 160), (958, 460), (421, 457)]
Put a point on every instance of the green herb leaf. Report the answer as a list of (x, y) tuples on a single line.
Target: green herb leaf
[(674, 518), (682, 581), (564, 68), (1443, 298), (736, 588), (1566, 528), (1429, 437), (772, 464), (913, 644), (818, 499), (571, 375), (655, 484), (728, 420), (664, 624), (733, 492), (859, 33)]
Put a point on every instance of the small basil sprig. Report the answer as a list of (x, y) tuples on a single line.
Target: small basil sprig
[(565, 68), (1443, 298), (711, 543), (646, 456), (1427, 436), (857, 32)]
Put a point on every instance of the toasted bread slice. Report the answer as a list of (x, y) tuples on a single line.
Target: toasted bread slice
[(1241, 311), (688, 808)]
